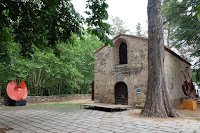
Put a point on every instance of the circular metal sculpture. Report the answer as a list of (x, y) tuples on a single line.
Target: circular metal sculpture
[(15, 92)]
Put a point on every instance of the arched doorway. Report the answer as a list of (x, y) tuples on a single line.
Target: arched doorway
[(121, 93)]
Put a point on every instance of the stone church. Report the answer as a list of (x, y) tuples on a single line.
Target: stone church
[(121, 72)]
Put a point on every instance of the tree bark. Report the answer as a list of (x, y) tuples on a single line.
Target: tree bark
[(0, 89), (157, 98), (36, 91)]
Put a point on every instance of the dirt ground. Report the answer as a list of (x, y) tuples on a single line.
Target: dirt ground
[(191, 114), (186, 114), (2, 130)]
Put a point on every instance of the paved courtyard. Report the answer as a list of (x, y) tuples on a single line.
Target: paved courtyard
[(69, 118)]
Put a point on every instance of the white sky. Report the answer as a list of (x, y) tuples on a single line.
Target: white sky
[(130, 11)]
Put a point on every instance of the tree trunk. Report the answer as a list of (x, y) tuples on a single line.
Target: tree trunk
[(49, 91), (157, 98), (36, 91), (59, 88), (0, 89)]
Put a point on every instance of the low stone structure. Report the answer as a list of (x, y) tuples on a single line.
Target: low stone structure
[(121, 72), (46, 99), (43, 99), (3, 101)]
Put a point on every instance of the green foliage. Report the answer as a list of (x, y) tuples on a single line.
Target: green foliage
[(47, 74), (41, 22), (5, 39), (196, 76), (95, 21), (182, 15), (198, 9), (139, 31), (39, 44), (181, 18), (46, 23), (83, 58)]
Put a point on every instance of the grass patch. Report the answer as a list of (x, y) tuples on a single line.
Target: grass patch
[(198, 119), (61, 107), (70, 94), (53, 104), (188, 114)]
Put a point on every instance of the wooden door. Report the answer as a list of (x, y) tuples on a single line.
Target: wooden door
[(121, 93)]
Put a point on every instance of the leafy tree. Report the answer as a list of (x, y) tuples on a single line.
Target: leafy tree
[(117, 26), (41, 23), (45, 23), (48, 74), (157, 98), (80, 56), (183, 26), (196, 76), (181, 17), (139, 30), (96, 17), (198, 8), (36, 39)]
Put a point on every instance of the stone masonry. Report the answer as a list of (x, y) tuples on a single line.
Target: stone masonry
[(108, 71), (47, 99)]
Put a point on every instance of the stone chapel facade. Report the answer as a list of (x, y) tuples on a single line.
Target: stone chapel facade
[(121, 72)]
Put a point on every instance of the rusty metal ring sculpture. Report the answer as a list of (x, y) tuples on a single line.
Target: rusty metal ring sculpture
[(187, 86)]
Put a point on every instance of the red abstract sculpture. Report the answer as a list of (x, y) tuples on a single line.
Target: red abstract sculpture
[(187, 87), (15, 92)]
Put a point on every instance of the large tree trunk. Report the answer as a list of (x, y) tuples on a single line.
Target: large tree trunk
[(157, 101), (0, 89)]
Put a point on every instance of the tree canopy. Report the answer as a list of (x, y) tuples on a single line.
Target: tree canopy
[(198, 9), (181, 19), (47, 74), (45, 23), (44, 43)]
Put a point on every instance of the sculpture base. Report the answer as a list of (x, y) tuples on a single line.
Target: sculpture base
[(16, 103), (190, 104)]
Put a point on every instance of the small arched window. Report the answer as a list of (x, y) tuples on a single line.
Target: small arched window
[(123, 54)]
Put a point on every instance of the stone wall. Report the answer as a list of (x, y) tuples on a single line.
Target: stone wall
[(108, 71), (3, 101), (46, 99), (174, 77)]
